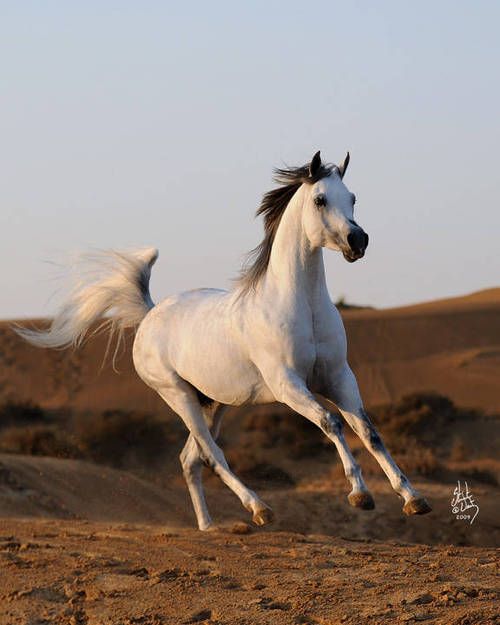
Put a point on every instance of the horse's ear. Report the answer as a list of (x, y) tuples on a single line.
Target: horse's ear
[(315, 165), (343, 167)]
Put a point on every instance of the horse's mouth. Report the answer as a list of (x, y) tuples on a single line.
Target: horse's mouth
[(352, 257)]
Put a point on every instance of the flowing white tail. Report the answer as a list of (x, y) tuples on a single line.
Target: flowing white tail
[(109, 283)]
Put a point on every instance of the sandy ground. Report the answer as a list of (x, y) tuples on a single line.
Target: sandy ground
[(87, 544), (58, 572), (82, 544), (77, 490)]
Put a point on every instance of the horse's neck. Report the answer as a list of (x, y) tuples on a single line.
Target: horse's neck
[(295, 269)]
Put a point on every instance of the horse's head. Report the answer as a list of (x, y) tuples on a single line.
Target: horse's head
[(328, 212)]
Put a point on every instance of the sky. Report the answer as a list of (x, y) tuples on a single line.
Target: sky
[(131, 124)]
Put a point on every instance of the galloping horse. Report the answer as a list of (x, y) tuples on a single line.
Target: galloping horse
[(276, 336)]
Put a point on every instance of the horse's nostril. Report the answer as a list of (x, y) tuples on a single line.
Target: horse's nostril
[(357, 240)]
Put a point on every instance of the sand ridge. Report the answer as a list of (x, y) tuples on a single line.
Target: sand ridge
[(452, 345)]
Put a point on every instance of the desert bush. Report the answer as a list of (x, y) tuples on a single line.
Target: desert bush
[(116, 438), (122, 438), (21, 413), (413, 429), (483, 475), (256, 472), (341, 304), (416, 414), (39, 440), (419, 460), (297, 436), (421, 430)]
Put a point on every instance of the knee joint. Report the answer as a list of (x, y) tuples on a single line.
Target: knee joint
[(190, 464), (375, 441), (353, 473), (331, 424), (369, 433)]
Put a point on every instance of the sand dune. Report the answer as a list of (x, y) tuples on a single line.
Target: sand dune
[(73, 489), (452, 346), (83, 543)]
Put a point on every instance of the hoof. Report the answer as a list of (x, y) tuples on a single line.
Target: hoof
[(263, 516), (361, 500), (416, 506), (208, 527)]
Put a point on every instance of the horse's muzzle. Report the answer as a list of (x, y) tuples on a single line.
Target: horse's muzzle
[(357, 241)]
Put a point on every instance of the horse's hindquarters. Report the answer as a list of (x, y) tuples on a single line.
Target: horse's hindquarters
[(193, 336)]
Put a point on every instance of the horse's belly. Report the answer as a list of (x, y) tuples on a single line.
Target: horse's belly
[(225, 378)]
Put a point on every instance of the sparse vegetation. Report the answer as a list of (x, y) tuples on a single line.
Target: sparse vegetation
[(125, 439), (21, 413), (276, 428), (421, 430), (117, 438), (39, 440), (341, 304)]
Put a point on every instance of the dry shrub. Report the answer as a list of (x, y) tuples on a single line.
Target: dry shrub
[(414, 429), (419, 460), (423, 431), (283, 430), (26, 428), (117, 438), (483, 475), (421, 415), (255, 471), (38, 440), (122, 438), (21, 413)]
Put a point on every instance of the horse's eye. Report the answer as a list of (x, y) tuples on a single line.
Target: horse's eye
[(320, 200)]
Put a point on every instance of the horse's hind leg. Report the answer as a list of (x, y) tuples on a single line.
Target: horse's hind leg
[(192, 465), (181, 397)]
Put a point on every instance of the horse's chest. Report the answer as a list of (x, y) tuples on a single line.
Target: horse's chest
[(308, 345), (325, 351), (307, 340)]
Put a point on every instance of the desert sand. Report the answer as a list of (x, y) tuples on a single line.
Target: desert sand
[(452, 346), (83, 542)]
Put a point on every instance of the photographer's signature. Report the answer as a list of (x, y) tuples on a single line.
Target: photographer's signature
[(463, 502)]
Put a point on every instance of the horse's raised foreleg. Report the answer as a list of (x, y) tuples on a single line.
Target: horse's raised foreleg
[(192, 466), (290, 389), (344, 393), (181, 397)]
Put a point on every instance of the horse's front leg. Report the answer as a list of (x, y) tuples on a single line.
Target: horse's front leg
[(290, 389), (344, 393)]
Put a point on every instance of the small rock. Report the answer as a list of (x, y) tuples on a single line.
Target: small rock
[(423, 599), (198, 617), (240, 528)]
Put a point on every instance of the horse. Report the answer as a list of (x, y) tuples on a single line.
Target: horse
[(275, 336)]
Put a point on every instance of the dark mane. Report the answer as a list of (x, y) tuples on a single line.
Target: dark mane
[(272, 207)]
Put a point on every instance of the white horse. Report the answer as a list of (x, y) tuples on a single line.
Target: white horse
[(275, 337)]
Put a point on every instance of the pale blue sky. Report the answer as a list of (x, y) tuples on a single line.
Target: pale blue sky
[(157, 123)]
